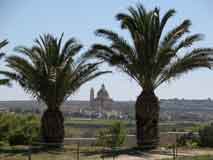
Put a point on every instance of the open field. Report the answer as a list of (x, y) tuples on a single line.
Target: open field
[(101, 123), (76, 127)]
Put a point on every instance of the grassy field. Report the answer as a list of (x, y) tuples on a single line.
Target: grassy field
[(72, 121), (76, 127), (99, 123)]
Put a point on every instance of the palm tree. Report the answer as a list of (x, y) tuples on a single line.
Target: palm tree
[(2, 44), (152, 58), (51, 73)]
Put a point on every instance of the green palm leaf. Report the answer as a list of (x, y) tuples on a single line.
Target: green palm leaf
[(2, 44)]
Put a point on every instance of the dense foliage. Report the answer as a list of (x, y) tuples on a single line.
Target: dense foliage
[(19, 129), (112, 137), (206, 136), (190, 140)]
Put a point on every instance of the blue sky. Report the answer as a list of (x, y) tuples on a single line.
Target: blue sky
[(23, 20)]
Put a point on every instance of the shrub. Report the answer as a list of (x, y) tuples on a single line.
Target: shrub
[(19, 129), (88, 134), (112, 137), (192, 144), (17, 138), (206, 136), (190, 140)]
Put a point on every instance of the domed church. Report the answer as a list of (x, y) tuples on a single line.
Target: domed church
[(102, 101)]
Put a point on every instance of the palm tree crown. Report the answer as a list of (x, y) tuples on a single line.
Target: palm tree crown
[(2, 44), (49, 71), (153, 57)]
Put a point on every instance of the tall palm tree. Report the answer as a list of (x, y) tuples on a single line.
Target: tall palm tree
[(2, 44), (51, 72), (151, 58)]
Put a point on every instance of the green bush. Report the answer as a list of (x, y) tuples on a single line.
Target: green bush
[(206, 136), (17, 138), (19, 129), (190, 140), (112, 137), (191, 144), (7, 123)]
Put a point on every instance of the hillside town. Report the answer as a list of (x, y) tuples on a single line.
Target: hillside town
[(102, 106)]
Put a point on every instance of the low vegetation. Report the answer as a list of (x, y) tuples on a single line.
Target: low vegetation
[(202, 138), (19, 129), (112, 137), (206, 136)]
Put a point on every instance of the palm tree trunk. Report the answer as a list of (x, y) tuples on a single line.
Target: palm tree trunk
[(147, 118), (52, 126)]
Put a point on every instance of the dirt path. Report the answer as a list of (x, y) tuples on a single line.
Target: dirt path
[(143, 157), (195, 152), (157, 155)]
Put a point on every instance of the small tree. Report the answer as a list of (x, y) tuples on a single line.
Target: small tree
[(206, 136), (112, 137)]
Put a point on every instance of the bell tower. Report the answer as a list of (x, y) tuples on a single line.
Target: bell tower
[(92, 97)]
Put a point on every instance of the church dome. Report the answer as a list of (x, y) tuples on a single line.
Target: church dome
[(102, 93)]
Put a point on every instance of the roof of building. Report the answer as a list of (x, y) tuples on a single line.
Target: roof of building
[(103, 93)]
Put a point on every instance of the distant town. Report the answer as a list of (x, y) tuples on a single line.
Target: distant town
[(102, 106)]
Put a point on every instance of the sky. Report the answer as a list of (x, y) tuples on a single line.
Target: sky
[(24, 20)]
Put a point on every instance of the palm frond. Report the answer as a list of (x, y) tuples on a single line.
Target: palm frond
[(165, 19), (172, 37), (198, 58), (1, 55), (3, 81), (3, 43), (189, 41)]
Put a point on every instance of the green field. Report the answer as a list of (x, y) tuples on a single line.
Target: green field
[(76, 127), (78, 121)]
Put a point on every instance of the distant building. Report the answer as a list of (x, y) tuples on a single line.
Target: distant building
[(102, 101)]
